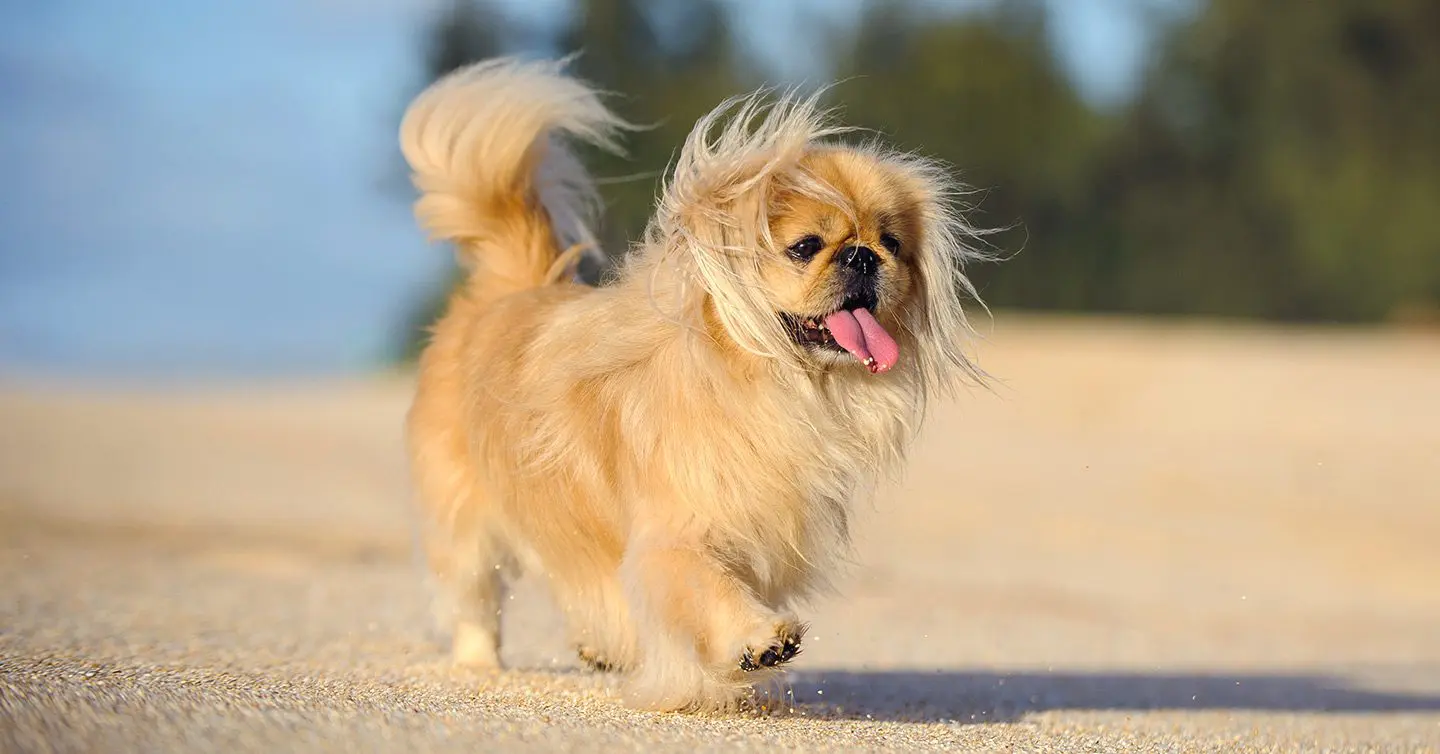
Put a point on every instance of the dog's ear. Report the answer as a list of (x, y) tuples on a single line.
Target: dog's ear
[(713, 217)]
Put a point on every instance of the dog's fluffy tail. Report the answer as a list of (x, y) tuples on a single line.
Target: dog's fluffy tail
[(487, 147)]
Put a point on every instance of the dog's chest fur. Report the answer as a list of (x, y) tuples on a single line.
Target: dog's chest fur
[(759, 467), (768, 470)]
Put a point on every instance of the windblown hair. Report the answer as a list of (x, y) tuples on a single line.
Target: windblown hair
[(664, 448), (714, 209)]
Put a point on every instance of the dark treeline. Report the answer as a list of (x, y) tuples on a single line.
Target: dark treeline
[(1280, 160)]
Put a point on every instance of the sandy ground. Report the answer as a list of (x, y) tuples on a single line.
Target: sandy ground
[(1150, 538)]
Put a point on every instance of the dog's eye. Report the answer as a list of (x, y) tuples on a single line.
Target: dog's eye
[(891, 243), (806, 248)]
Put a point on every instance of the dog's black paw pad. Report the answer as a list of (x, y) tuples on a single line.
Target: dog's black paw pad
[(784, 649)]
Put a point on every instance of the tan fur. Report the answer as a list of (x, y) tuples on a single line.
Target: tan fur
[(660, 448)]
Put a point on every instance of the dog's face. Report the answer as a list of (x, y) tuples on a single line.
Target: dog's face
[(824, 255), (842, 270)]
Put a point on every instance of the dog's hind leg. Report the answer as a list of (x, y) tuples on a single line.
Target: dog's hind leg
[(459, 539), (466, 567)]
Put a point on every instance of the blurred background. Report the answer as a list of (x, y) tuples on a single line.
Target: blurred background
[(1200, 501), (195, 189)]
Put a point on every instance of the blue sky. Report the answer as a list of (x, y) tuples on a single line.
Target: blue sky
[(201, 188)]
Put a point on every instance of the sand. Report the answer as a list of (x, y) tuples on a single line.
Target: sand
[(1151, 537)]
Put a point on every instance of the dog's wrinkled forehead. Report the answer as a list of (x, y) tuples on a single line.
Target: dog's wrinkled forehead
[(838, 191)]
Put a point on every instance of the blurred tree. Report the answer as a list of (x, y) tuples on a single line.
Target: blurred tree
[(1281, 159), (666, 63), (466, 33), (982, 91)]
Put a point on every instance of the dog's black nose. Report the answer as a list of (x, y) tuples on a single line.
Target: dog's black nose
[(860, 259)]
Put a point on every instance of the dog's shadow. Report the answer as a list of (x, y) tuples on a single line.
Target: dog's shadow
[(983, 696)]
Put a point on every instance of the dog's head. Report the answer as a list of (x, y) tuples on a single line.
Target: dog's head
[(826, 256), (841, 261)]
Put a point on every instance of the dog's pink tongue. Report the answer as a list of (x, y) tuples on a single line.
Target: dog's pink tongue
[(859, 333)]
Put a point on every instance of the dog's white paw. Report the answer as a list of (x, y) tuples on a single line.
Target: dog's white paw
[(475, 647)]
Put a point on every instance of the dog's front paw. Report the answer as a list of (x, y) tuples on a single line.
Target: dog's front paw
[(595, 661), (782, 647)]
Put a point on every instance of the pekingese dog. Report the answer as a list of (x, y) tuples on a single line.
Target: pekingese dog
[(676, 450)]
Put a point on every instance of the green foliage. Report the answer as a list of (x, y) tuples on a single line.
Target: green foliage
[(1304, 141), (982, 92), (1281, 160)]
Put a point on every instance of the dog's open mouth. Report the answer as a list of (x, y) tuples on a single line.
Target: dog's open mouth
[(811, 332), (854, 331)]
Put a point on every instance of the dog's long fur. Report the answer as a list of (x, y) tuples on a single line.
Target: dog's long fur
[(661, 447)]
